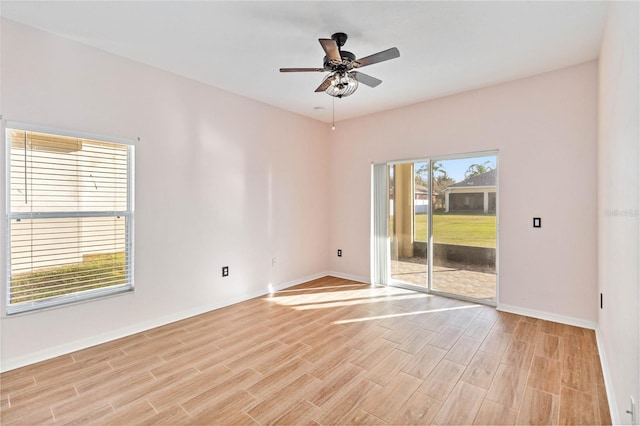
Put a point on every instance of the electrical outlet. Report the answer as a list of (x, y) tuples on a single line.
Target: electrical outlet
[(339, 253), (225, 271), (274, 260), (537, 222)]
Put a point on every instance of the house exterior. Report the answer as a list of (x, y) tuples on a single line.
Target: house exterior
[(476, 194), (420, 198)]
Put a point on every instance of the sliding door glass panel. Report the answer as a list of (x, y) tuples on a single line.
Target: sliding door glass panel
[(409, 205), (464, 227)]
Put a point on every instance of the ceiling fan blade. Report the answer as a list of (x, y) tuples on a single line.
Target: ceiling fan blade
[(330, 48), (366, 79), (385, 55), (302, 69), (323, 86)]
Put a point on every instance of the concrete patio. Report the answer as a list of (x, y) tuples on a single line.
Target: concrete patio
[(464, 280)]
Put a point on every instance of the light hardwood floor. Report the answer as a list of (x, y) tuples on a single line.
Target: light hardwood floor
[(330, 351)]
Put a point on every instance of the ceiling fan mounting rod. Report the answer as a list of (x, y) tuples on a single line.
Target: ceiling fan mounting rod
[(340, 39)]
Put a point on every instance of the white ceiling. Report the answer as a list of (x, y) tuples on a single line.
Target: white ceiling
[(445, 46)]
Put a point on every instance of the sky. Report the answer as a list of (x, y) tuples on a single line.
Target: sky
[(456, 168)]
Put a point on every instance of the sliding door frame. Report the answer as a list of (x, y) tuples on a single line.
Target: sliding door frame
[(429, 266)]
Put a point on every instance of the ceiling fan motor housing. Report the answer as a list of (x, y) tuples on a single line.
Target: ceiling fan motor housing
[(345, 65)]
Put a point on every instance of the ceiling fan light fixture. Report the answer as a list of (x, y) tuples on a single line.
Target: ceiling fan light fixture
[(342, 84)]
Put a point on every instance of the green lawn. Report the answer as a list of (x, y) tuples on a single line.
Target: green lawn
[(103, 270), (461, 229)]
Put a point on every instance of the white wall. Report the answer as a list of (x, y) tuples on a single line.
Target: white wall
[(618, 194), (220, 180), (545, 130)]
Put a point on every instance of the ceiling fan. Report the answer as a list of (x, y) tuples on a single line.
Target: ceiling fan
[(342, 79)]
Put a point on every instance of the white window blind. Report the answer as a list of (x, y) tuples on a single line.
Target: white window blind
[(70, 218)]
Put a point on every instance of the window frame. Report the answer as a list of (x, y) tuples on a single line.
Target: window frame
[(128, 214)]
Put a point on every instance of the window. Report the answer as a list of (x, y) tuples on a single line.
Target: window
[(69, 216)]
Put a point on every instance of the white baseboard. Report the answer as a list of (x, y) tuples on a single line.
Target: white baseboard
[(349, 277), (13, 363), (534, 313), (608, 384), (298, 281)]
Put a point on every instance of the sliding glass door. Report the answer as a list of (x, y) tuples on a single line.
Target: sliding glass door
[(442, 226)]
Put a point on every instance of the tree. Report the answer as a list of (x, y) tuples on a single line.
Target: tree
[(422, 175), (440, 180), (478, 169), (440, 183)]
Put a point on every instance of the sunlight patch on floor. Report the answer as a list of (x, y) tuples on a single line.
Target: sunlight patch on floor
[(342, 296), (405, 314), (359, 301)]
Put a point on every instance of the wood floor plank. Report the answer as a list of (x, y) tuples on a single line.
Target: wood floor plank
[(436, 321), (36, 415), (280, 402), (279, 377), (526, 331), (137, 413), (447, 337), (401, 331), (326, 365), (361, 417), (496, 342), (461, 406), (425, 361), (519, 354), (576, 408), (163, 398), (390, 365), (578, 373), (545, 375), (479, 328), (300, 414), (330, 351), (374, 353), (418, 410), (506, 322), (508, 386), (442, 380), (493, 413), (548, 345), (171, 416), (88, 415), (229, 411), (417, 340), (341, 410), (385, 404), (463, 350), (333, 384), (224, 402), (16, 383), (538, 408), (236, 382), (481, 369), (175, 377)]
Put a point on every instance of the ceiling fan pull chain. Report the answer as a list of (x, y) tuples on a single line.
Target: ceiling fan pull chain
[(333, 113)]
